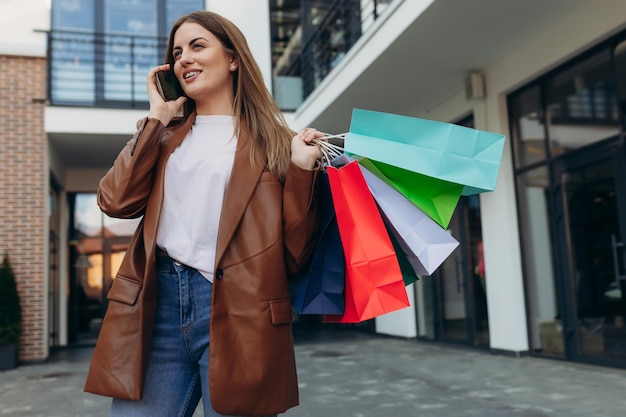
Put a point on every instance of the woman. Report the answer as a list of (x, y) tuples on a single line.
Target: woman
[(227, 199)]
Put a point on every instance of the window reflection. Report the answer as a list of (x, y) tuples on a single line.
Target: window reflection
[(95, 232), (176, 8), (74, 15), (581, 104), (528, 128), (98, 246), (73, 68), (128, 58)]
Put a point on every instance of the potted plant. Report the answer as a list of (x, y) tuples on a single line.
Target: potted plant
[(10, 316)]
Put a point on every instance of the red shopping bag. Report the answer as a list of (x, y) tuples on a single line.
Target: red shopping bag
[(374, 284)]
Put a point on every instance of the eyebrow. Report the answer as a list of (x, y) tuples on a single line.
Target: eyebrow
[(191, 42)]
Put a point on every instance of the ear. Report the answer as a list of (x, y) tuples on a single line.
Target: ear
[(234, 64)]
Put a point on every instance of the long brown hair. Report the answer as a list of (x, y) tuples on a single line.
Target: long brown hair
[(254, 108)]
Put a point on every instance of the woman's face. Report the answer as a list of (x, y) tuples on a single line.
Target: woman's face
[(203, 67)]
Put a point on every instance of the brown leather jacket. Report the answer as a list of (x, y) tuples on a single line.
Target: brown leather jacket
[(265, 235)]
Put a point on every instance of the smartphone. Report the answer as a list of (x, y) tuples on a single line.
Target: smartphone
[(168, 85)]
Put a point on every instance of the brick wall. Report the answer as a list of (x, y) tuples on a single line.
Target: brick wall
[(24, 191)]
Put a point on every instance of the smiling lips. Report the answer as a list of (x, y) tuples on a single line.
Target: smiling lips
[(191, 74)]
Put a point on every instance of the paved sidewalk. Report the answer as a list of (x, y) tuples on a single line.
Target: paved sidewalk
[(360, 375)]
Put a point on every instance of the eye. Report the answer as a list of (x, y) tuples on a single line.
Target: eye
[(176, 54), (197, 46)]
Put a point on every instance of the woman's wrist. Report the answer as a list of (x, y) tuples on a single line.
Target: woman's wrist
[(306, 163), (159, 116)]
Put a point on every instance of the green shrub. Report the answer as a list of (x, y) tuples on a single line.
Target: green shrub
[(10, 313)]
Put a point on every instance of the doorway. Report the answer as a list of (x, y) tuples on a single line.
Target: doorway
[(590, 206), (457, 289), (457, 311), (97, 246)]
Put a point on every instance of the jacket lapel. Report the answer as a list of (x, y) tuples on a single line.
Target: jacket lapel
[(243, 180)]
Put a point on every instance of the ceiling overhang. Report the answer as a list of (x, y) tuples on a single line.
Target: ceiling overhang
[(429, 61)]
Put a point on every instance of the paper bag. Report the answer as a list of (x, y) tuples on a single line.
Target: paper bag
[(440, 150), (374, 283)]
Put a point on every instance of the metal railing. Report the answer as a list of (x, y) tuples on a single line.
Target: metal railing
[(100, 70), (341, 27)]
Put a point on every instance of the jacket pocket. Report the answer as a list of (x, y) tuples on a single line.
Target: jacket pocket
[(281, 312), (125, 291)]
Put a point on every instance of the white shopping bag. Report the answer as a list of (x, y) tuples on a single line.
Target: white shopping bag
[(426, 244)]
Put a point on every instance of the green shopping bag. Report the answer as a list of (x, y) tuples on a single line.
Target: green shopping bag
[(445, 151), (435, 197)]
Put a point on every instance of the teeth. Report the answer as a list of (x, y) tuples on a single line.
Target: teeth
[(191, 74)]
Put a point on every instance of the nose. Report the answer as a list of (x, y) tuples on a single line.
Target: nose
[(185, 58)]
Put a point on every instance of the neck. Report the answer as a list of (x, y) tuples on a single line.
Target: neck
[(223, 106)]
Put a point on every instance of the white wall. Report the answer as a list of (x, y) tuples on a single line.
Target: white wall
[(91, 120), (56, 166), (401, 323), (252, 17), (19, 19)]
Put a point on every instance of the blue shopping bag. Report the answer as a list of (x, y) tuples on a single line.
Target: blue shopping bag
[(320, 288), (449, 152)]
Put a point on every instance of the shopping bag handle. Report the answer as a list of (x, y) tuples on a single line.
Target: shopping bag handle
[(328, 149)]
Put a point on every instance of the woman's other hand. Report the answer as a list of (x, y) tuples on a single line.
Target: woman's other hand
[(304, 152), (159, 108)]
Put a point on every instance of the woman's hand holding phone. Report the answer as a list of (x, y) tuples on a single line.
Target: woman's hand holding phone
[(163, 107)]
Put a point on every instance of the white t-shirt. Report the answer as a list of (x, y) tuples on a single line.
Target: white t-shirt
[(196, 175)]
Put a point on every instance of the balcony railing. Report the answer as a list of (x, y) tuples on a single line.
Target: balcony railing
[(105, 70), (334, 35), (100, 70)]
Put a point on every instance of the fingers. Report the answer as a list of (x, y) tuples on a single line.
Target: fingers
[(309, 134), (158, 68), (180, 101), (152, 75)]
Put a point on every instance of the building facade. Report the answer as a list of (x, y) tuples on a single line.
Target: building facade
[(540, 267)]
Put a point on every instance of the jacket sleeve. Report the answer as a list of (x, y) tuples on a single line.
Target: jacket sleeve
[(124, 190), (300, 217)]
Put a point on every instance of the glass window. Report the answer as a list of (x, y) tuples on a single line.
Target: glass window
[(535, 216), (527, 127), (176, 8), (128, 58), (581, 104), (75, 15), (98, 245), (73, 52), (103, 58), (136, 17)]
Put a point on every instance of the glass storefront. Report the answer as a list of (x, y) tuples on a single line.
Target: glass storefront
[(570, 159)]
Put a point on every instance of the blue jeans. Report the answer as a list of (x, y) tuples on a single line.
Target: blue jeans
[(178, 365)]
